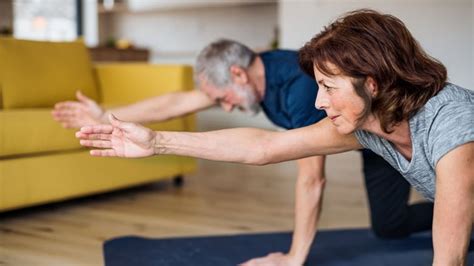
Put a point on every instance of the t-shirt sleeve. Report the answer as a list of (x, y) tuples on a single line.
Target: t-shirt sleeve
[(363, 138), (452, 126), (300, 102)]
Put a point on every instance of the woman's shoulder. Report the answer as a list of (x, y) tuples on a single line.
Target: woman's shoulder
[(452, 93), (450, 98), (446, 121)]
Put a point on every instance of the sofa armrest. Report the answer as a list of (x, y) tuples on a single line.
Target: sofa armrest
[(127, 83)]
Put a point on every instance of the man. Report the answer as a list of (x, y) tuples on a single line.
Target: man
[(231, 75)]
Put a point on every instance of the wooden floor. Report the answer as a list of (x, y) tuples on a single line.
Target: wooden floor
[(220, 199)]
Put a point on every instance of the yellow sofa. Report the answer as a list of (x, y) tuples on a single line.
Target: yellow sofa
[(40, 161)]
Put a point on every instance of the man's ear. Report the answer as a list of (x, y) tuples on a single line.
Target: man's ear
[(238, 74), (372, 86)]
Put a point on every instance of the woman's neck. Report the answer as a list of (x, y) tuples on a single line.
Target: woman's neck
[(400, 136)]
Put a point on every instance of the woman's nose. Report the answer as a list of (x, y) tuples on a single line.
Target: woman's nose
[(321, 102)]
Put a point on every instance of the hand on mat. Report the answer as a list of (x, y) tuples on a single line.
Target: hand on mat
[(273, 259), (119, 139), (72, 114)]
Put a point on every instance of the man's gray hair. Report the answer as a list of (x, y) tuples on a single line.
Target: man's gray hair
[(214, 61)]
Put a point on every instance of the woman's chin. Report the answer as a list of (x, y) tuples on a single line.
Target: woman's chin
[(345, 129)]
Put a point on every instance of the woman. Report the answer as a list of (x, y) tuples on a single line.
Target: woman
[(381, 91)]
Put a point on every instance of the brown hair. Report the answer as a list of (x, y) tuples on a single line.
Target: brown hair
[(365, 43)]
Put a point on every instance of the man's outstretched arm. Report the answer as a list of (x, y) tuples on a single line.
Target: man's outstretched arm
[(85, 111)]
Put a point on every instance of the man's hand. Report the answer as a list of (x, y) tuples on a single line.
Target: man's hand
[(119, 139), (84, 112), (273, 259)]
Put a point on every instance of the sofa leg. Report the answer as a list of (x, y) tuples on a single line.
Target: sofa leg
[(178, 181)]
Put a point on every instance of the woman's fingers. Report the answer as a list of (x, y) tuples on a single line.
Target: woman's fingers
[(96, 136), (96, 143), (103, 153)]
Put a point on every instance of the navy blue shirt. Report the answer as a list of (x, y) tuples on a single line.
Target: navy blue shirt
[(289, 92)]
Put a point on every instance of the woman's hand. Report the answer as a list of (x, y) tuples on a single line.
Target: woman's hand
[(119, 139), (273, 259)]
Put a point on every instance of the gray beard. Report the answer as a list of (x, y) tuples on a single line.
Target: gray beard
[(250, 105)]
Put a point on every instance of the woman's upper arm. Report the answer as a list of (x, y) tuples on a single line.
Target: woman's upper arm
[(455, 177), (455, 167)]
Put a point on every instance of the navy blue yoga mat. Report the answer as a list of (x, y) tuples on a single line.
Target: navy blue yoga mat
[(334, 247)]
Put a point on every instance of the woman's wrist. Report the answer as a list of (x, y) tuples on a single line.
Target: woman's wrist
[(297, 256), (158, 146), (451, 261)]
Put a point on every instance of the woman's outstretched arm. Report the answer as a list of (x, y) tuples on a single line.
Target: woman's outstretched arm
[(241, 145)]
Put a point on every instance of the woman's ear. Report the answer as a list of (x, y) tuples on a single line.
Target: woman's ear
[(372, 86), (238, 74)]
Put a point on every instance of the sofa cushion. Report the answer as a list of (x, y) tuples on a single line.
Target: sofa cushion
[(33, 131), (39, 74), (32, 180), (30, 131)]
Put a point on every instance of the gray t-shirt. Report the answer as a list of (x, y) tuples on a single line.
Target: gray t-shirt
[(444, 123)]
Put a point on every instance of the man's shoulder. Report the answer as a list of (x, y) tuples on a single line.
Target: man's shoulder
[(280, 51), (279, 54)]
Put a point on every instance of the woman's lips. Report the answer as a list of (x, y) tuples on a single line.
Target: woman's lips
[(333, 117)]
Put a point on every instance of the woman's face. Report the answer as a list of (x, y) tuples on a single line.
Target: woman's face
[(337, 97)]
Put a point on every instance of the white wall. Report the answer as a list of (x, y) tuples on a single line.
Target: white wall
[(177, 35), (90, 23), (444, 28)]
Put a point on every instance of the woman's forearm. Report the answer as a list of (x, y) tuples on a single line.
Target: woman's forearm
[(454, 206), (308, 203), (452, 228), (241, 145)]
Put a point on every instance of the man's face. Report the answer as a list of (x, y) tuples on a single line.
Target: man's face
[(233, 96)]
